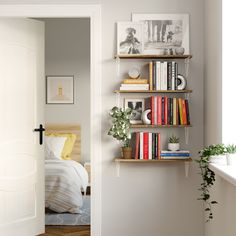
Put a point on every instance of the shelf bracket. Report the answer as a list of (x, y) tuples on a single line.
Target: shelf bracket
[(186, 166), (187, 96), (187, 61), (118, 169), (186, 132)]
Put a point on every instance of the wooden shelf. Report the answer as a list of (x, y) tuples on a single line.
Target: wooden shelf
[(159, 126), (153, 91), (153, 161), (138, 56)]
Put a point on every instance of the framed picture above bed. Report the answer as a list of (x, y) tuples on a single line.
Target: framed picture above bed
[(60, 89)]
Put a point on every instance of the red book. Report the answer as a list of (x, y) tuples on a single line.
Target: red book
[(152, 110), (187, 111), (166, 111), (159, 110), (177, 112), (159, 146), (184, 112), (137, 139), (145, 145)]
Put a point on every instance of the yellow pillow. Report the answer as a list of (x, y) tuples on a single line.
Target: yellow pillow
[(69, 143)]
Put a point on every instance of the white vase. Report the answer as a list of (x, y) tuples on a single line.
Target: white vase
[(218, 159), (173, 146), (231, 159)]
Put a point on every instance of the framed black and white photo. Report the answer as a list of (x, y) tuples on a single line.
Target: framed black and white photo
[(163, 33), (60, 89), (137, 105), (129, 38)]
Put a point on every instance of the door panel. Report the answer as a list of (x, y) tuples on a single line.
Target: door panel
[(21, 101)]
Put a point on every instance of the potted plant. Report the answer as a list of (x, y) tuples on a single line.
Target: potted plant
[(173, 144), (120, 129), (231, 154), (216, 153), (208, 176)]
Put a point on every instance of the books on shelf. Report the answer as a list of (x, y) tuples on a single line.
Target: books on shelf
[(182, 154), (134, 87), (169, 111), (135, 81), (147, 146), (163, 75)]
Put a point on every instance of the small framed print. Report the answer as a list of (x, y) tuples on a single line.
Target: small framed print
[(60, 89), (137, 105)]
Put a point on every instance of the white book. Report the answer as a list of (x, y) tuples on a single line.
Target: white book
[(134, 85), (134, 88), (173, 157), (158, 75), (164, 78), (180, 151), (150, 146), (141, 146), (173, 75)]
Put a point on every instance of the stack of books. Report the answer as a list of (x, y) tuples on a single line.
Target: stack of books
[(169, 111), (147, 146), (175, 154), (134, 84), (163, 75)]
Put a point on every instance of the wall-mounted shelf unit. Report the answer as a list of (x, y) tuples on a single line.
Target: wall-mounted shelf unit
[(153, 91), (138, 56), (120, 160), (139, 126)]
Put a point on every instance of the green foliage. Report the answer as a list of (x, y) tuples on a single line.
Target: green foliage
[(208, 176), (121, 125), (231, 149), (173, 139)]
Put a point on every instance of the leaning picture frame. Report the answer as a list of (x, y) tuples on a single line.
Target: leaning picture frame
[(59, 89), (129, 38), (137, 105), (164, 33)]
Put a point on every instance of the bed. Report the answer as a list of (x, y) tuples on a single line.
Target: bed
[(65, 180)]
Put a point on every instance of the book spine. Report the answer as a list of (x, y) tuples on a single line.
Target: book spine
[(171, 157), (156, 146), (173, 76), (152, 110), (151, 75), (187, 112), (175, 154), (162, 110), (169, 78), (180, 112), (176, 75), (141, 146), (136, 156), (171, 111), (150, 146), (174, 112), (159, 147), (145, 145), (154, 75), (159, 110), (153, 145), (184, 113), (166, 111), (158, 75), (164, 75), (135, 81), (155, 110), (177, 112)]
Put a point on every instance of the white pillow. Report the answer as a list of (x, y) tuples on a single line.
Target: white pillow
[(54, 147)]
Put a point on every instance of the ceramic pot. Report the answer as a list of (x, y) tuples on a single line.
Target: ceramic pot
[(173, 146), (127, 152), (231, 159), (179, 51), (219, 159)]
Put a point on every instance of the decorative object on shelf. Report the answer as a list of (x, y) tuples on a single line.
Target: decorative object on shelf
[(137, 107), (129, 38), (173, 144), (181, 82), (208, 176), (231, 154), (120, 129), (146, 120), (162, 31), (60, 89), (134, 73), (179, 51)]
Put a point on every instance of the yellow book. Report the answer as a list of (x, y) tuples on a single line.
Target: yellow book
[(135, 81), (151, 75)]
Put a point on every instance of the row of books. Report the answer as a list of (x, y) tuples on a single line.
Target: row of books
[(169, 111), (163, 75), (135, 84), (147, 146)]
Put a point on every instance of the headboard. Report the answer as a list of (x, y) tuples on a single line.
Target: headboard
[(68, 128)]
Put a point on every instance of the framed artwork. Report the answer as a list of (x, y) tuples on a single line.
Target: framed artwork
[(60, 89), (129, 38), (138, 107), (164, 32)]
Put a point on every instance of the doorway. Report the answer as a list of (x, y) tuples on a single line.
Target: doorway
[(94, 13)]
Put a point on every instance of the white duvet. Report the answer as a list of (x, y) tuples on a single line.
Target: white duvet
[(64, 181)]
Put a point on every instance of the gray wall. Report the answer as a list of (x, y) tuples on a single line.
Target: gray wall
[(149, 199), (67, 52)]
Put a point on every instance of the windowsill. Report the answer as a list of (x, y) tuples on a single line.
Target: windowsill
[(226, 172)]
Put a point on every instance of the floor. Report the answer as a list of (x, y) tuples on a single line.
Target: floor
[(67, 231)]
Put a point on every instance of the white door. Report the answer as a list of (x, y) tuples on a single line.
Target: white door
[(21, 104)]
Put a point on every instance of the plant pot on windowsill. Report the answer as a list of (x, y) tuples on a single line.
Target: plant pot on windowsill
[(218, 159), (127, 152)]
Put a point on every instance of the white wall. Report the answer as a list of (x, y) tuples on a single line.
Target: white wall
[(149, 199), (67, 52)]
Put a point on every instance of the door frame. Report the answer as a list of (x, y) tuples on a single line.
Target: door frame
[(94, 13)]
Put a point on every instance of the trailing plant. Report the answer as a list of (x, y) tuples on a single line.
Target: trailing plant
[(208, 176), (231, 149), (173, 139), (120, 129)]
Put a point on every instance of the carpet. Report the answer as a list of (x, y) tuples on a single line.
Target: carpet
[(70, 219)]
